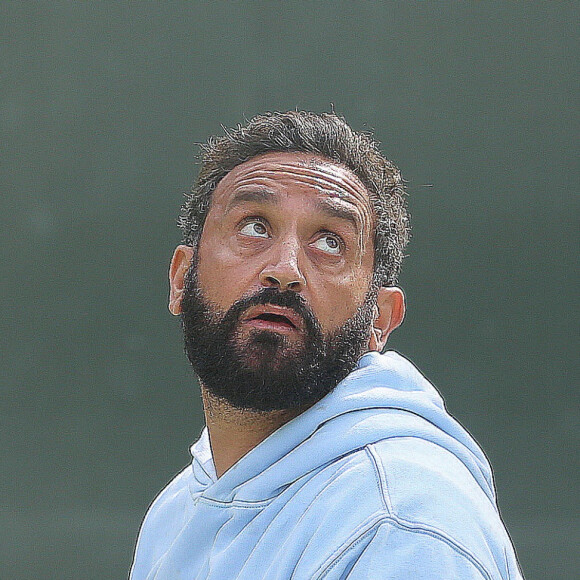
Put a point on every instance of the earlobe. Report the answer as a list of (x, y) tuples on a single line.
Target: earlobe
[(389, 314), (178, 269)]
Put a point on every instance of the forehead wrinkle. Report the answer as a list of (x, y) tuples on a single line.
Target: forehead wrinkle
[(312, 169), (332, 179)]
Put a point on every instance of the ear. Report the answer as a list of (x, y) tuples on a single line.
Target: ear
[(180, 263), (389, 313)]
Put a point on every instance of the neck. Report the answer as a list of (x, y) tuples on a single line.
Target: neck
[(233, 432)]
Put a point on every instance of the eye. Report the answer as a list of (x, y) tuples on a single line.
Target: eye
[(255, 229), (328, 243)]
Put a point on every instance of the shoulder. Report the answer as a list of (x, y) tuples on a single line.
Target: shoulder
[(402, 506), (429, 494), (408, 478), (420, 481)]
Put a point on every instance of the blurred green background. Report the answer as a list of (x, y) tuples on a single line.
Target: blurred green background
[(101, 107)]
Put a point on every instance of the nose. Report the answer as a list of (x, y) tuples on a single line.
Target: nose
[(282, 271)]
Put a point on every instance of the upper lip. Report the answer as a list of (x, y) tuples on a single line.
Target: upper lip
[(292, 316)]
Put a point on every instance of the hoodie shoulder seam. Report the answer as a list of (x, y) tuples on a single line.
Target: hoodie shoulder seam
[(380, 478), (411, 527)]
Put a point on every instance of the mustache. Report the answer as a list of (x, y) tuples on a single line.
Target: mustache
[(273, 296)]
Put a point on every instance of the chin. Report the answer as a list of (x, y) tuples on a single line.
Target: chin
[(263, 347)]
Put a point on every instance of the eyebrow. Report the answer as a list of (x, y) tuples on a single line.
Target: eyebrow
[(255, 195), (334, 210)]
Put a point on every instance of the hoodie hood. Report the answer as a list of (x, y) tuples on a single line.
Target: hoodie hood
[(384, 397)]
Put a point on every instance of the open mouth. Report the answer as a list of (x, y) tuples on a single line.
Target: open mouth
[(272, 317), (275, 319)]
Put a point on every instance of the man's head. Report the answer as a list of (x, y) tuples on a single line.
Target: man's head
[(325, 135), (293, 239)]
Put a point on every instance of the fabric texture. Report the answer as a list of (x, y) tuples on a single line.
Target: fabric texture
[(376, 481)]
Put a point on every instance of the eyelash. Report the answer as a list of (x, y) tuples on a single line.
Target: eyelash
[(336, 237), (251, 219)]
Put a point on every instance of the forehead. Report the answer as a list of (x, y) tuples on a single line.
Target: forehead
[(289, 172)]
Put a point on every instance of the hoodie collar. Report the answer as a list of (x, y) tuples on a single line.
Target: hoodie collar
[(385, 396)]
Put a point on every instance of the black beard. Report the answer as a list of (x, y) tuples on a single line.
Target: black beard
[(265, 371)]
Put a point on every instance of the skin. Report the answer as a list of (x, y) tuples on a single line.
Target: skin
[(294, 221)]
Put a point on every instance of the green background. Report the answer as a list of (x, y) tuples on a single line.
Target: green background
[(101, 107)]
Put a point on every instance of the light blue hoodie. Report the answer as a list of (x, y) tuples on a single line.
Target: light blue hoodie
[(375, 481)]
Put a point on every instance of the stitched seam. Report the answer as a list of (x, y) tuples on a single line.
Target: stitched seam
[(380, 476), (353, 545), (439, 535), (416, 526), (383, 471), (302, 516), (412, 527), (235, 504), (370, 525), (337, 474)]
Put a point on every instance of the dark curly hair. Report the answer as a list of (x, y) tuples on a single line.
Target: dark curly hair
[(323, 134)]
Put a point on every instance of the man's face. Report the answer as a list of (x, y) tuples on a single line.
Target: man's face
[(293, 221), (278, 300)]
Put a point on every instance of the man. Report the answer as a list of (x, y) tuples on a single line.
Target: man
[(321, 457)]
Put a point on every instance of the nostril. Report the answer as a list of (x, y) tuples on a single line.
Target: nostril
[(283, 283)]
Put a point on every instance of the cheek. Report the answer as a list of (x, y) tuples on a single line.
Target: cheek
[(223, 275), (336, 304), (212, 269), (336, 298)]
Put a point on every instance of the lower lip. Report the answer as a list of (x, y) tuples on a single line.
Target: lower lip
[(270, 325)]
